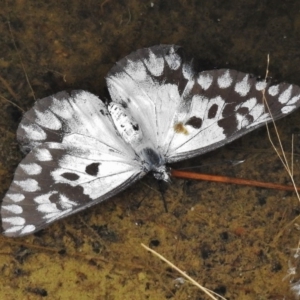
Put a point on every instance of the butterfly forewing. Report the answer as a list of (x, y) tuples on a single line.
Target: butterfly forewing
[(150, 84)]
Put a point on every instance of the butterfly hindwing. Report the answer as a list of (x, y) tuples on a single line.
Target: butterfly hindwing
[(232, 104), (58, 179)]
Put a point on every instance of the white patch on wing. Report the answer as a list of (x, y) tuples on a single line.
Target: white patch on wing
[(43, 155), (243, 87), (286, 95), (13, 229), (225, 80), (273, 90), (15, 221), (136, 70), (27, 229), (34, 132), (16, 197), (294, 100), (257, 111), (28, 185), (173, 59), (288, 109), (31, 169), (155, 64), (15, 209), (260, 85), (205, 81), (48, 208), (47, 119)]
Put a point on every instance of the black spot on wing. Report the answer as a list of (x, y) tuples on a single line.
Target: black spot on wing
[(92, 169), (229, 110), (54, 198), (70, 176), (212, 111), (194, 122), (243, 111), (75, 193), (249, 119), (124, 104), (135, 127), (229, 125)]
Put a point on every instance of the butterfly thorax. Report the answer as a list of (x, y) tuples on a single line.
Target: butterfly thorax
[(130, 131), (155, 163)]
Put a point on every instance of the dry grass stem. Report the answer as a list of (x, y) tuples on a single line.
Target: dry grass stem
[(21, 61), (280, 152), (208, 292), (14, 104)]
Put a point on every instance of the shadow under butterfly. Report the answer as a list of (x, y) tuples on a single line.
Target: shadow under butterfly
[(81, 152)]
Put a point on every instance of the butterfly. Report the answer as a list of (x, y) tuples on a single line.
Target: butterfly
[(82, 151)]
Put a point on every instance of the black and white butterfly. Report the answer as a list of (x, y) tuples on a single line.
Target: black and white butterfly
[(82, 152)]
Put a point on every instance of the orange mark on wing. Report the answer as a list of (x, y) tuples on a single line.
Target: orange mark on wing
[(180, 128)]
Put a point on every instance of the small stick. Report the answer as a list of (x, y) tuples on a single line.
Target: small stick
[(10, 90), (225, 179)]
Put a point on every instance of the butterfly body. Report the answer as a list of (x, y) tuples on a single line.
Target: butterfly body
[(81, 152), (128, 128)]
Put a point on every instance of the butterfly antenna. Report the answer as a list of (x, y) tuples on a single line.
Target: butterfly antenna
[(162, 186)]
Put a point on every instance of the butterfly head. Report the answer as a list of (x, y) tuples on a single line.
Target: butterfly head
[(162, 173)]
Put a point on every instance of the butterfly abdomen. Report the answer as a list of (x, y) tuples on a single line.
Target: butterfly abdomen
[(127, 127)]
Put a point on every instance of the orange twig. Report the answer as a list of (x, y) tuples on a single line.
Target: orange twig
[(225, 179)]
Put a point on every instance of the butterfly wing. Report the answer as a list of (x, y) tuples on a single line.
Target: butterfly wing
[(77, 160), (233, 104), (185, 113), (59, 179), (54, 117), (148, 82)]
